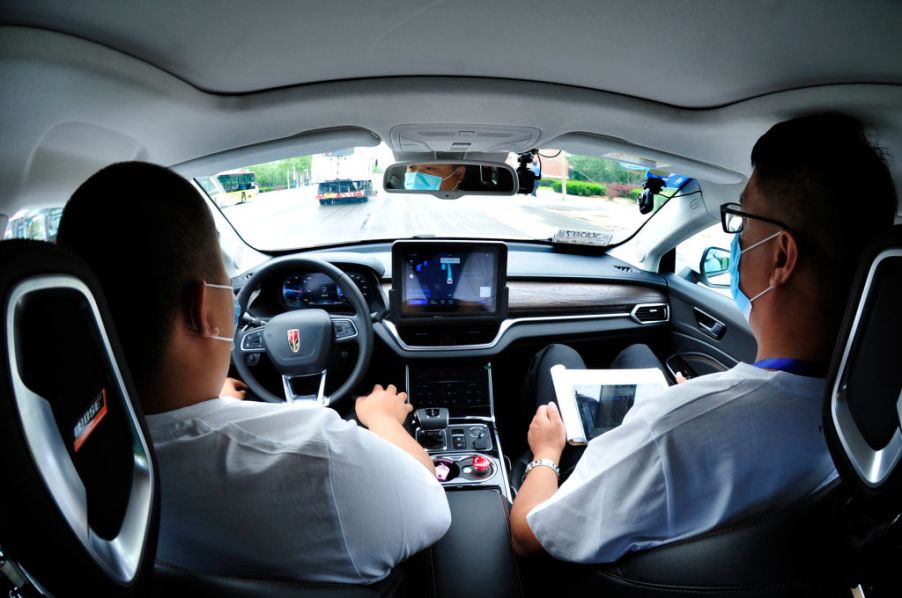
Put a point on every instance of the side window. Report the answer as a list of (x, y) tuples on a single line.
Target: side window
[(689, 253), (38, 224)]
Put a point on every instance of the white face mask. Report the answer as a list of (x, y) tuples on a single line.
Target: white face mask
[(237, 312)]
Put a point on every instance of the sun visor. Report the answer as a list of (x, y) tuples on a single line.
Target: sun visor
[(302, 144), (462, 139), (623, 151)]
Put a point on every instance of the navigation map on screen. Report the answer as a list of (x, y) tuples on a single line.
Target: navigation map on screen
[(450, 281)]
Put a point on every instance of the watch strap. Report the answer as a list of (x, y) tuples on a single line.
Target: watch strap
[(542, 463)]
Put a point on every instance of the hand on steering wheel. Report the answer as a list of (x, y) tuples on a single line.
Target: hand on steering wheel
[(299, 342)]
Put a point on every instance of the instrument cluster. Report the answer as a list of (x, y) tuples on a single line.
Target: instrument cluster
[(315, 289)]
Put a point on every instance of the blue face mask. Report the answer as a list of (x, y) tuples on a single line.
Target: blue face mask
[(742, 301), (236, 311), (420, 181)]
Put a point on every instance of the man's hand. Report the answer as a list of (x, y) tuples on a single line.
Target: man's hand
[(680, 378), (547, 436), (383, 403), (383, 411), (233, 388)]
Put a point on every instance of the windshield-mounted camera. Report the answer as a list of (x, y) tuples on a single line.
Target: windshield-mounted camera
[(525, 173)]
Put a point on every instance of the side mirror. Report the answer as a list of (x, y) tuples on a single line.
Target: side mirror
[(714, 268), (450, 179)]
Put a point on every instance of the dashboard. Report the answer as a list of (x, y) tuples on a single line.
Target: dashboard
[(550, 294)]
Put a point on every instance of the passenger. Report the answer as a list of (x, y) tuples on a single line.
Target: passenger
[(723, 446), (249, 489), (434, 177)]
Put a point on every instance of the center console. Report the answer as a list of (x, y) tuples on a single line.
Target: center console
[(455, 423), (446, 289), (454, 293)]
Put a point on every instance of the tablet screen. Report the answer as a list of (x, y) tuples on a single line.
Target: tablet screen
[(603, 407)]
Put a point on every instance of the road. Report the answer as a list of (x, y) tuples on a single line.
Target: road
[(293, 218)]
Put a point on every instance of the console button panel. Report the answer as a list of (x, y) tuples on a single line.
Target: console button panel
[(462, 388), (456, 437)]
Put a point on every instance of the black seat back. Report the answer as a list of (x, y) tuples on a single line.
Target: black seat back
[(78, 491), (863, 414)]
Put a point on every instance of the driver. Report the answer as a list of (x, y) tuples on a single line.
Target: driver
[(434, 177), (254, 490)]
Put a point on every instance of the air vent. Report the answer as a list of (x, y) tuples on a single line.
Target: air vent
[(651, 313), (424, 336)]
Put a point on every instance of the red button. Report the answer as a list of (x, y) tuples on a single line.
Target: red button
[(481, 464)]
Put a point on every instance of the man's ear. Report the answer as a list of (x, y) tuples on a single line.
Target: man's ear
[(194, 310), (786, 257)]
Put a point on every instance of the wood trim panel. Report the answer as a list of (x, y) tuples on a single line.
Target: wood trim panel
[(539, 297)]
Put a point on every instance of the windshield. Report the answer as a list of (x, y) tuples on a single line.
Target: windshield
[(337, 198)]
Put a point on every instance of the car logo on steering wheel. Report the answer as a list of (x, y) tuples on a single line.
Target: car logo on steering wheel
[(294, 340)]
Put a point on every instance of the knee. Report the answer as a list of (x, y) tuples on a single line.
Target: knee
[(559, 354), (640, 351), (637, 356)]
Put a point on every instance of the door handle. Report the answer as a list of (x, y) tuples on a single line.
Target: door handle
[(709, 324)]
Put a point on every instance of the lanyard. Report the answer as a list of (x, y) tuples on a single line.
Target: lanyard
[(793, 366)]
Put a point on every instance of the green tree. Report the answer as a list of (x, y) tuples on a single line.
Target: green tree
[(601, 170), (279, 172)]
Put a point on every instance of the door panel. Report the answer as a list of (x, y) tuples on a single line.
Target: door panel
[(709, 331)]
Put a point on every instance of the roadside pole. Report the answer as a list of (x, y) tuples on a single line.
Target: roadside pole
[(564, 173)]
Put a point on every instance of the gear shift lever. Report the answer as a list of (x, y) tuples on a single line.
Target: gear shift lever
[(433, 418), (433, 421)]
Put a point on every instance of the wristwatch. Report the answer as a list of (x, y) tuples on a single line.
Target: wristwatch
[(542, 463)]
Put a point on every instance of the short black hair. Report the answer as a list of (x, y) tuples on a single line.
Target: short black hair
[(822, 176), (147, 234)]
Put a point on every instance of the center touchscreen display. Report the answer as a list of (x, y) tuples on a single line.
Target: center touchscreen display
[(453, 280)]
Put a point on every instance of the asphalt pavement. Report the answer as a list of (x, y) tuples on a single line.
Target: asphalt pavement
[(293, 218)]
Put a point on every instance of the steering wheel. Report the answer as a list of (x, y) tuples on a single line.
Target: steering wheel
[(299, 342)]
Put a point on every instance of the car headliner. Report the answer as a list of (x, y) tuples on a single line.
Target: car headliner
[(95, 81), (685, 53)]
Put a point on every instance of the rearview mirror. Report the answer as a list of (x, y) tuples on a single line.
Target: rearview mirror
[(714, 267), (450, 179)]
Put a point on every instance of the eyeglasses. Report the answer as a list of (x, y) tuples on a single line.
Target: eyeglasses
[(733, 219)]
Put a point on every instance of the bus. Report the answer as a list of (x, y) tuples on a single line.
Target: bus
[(239, 185)]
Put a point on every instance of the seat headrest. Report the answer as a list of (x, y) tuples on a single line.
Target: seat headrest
[(80, 492), (863, 407)]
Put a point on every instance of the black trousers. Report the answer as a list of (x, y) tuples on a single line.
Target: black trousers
[(538, 388)]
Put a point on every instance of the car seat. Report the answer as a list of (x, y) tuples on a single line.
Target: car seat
[(79, 493)]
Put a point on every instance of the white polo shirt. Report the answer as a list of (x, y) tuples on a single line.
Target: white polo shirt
[(711, 450), (271, 491)]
